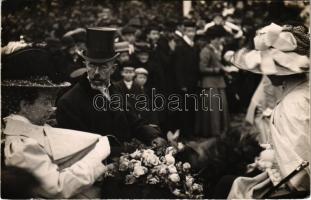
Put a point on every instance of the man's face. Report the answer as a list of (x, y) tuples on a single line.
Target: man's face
[(190, 32), (143, 57), (128, 75), (141, 79), (41, 109), (124, 57), (99, 74), (154, 36), (130, 38)]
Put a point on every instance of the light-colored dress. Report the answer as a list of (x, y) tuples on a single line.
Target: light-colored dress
[(290, 140), (66, 162)]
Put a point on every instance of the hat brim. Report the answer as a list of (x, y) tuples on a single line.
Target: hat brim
[(96, 60), (253, 61), (34, 84)]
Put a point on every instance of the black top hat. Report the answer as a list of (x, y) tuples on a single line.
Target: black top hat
[(31, 67), (100, 45)]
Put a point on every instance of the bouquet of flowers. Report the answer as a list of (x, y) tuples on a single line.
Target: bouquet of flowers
[(157, 166)]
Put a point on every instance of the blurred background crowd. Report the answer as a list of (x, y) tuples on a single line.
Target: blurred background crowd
[(154, 32)]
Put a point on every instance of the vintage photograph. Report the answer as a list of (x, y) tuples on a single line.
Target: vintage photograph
[(155, 99)]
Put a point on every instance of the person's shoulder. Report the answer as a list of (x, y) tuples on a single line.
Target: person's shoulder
[(298, 99), (73, 94)]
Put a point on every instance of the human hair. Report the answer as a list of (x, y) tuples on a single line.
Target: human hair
[(12, 96)]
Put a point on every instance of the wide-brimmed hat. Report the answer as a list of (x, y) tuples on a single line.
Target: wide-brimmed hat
[(31, 67), (99, 45), (278, 51)]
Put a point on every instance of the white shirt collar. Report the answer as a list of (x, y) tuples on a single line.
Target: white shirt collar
[(128, 84)]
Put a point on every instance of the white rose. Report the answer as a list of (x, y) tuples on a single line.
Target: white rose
[(186, 166), (174, 178), (136, 154), (169, 159), (139, 171), (197, 187), (172, 169), (189, 181), (170, 150)]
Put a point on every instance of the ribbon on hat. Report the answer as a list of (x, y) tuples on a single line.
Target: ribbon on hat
[(270, 61), (273, 36)]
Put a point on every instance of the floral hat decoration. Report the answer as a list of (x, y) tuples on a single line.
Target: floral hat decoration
[(279, 50)]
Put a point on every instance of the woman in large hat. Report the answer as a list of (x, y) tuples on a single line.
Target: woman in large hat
[(281, 53), (65, 162)]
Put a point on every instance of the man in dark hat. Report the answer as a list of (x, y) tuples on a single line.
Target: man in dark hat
[(186, 61), (65, 163), (77, 108), (153, 35)]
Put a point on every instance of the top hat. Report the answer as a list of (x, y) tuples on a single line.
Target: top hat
[(278, 51), (99, 45), (31, 67)]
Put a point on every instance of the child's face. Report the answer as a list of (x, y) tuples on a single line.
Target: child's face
[(128, 75), (143, 57), (124, 57), (42, 108), (141, 79)]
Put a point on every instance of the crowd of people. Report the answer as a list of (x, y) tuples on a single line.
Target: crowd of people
[(73, 51)]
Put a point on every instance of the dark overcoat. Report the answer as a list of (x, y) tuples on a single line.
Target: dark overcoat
[(76, 110)]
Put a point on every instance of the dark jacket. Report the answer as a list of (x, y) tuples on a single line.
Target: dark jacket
[(186, 61), (211, 69), (76, 110)]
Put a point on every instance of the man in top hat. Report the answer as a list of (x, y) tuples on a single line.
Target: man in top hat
[(281, 53), (65, 162), (76, 108)]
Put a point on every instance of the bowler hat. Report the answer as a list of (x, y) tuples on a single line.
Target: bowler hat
[(99, 45), (31, 67)]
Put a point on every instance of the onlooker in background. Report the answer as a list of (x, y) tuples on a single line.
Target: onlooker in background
[(153, 35), (213, 120), (127, 86), (150, 116), (123, 49), (128, 34), (186, 61)]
